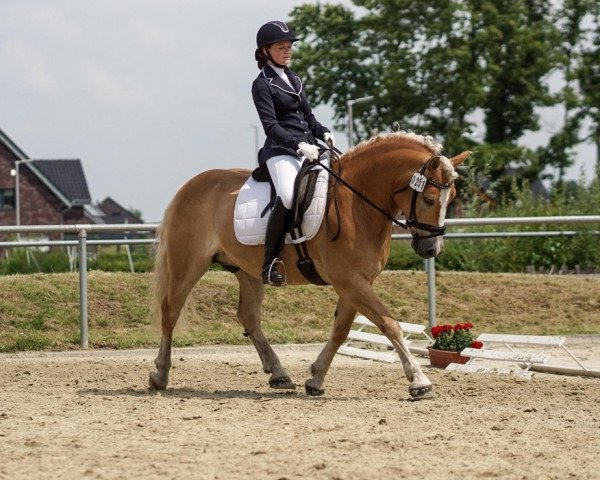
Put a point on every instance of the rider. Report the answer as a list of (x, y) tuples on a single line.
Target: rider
[(290, 127)]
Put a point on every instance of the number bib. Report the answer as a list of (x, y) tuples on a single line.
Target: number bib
[(418, 182)]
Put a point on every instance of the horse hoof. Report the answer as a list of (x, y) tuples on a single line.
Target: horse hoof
[(421, 393), (313, 391), (282, 383), (154, 382)]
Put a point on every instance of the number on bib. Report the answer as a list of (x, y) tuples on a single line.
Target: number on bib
[(418, 182)]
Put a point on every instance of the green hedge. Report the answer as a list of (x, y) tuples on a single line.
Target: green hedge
[(109, 259), (516, 254)]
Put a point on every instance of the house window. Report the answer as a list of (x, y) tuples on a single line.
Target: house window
[(7, 198)]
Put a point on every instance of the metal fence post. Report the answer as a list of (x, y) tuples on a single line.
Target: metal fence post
[(430, 262), (83, 304)]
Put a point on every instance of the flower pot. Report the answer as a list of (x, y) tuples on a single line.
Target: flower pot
[(443, 358)]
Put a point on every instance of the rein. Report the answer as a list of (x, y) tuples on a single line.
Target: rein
[(418, 183)]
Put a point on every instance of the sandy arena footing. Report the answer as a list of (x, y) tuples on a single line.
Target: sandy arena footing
[(90, 415)]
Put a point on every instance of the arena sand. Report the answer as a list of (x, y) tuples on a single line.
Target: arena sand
[(90, 415)]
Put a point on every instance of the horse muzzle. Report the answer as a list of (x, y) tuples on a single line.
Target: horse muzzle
[(428, 247)]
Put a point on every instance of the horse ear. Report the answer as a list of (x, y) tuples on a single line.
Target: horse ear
[(460, 158), (433, 163)]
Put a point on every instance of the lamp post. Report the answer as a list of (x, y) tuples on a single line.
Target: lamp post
[(349, 105), (15, 173)]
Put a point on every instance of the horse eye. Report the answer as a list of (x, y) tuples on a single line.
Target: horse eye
[(429, 202)]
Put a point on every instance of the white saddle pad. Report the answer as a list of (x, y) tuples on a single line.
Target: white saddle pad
[(254, 196)]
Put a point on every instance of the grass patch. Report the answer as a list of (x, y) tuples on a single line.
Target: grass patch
[(29, 341), (41, 311)]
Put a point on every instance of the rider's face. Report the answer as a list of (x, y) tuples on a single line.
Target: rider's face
[(281, 52)]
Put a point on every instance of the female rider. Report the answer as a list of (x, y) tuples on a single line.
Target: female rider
[(290, 128)]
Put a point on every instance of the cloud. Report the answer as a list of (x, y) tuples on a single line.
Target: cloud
[(23, 69), (108, 87), (154, 36), (49, 23)]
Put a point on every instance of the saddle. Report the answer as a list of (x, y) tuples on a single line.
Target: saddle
[(304, 191)]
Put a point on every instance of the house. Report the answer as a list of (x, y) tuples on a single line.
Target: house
[(115, 213), (51, 192)]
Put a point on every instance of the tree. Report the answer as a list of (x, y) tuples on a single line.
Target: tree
[(570, 18), (382, 53), (511, 41), (588, 77), (436, 67), (332, 59)]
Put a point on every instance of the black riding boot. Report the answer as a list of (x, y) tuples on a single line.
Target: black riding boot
[(274, 240)]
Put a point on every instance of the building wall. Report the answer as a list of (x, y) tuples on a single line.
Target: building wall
[(6, 159), (38, 205), (115, 213)]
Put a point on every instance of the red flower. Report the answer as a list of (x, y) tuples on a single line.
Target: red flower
[(476, 344), (463, 326), (437, 330)]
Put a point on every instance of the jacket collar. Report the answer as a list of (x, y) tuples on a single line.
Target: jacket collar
[(277, 81)]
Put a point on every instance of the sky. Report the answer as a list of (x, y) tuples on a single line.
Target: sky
[(146, 93)]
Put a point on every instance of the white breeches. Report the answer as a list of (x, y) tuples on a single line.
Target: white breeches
[(283, 170)]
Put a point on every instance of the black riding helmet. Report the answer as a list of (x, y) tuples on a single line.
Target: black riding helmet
[(272, 32)]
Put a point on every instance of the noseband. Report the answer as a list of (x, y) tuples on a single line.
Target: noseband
[(418, 182)]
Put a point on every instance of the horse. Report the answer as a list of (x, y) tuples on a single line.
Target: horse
[(397, 173)]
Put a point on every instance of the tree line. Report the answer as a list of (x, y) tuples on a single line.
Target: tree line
[(447, 67)]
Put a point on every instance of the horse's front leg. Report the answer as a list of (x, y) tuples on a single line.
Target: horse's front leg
[(365, 300), (344, 315), (252, 292)]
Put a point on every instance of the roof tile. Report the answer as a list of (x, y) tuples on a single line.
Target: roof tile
[(68, 177)]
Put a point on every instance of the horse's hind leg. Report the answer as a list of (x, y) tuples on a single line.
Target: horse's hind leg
[(182, 276), (252, 292), (344, 315)]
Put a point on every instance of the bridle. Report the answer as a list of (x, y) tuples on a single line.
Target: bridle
[(417, 183)]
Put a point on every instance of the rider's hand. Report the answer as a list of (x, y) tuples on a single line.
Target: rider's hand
[(329, 138), (311, 152)]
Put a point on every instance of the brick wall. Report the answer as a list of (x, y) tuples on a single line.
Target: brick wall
[(7, 159), (38, 205)]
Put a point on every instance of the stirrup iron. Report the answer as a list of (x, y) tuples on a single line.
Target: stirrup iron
[(271, 268)]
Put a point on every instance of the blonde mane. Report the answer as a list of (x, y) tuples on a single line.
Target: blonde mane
[(401, 138)]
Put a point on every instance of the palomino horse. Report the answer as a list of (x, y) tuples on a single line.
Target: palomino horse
[(197, 230)]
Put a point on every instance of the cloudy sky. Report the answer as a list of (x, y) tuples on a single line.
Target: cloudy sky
[(147, 93)]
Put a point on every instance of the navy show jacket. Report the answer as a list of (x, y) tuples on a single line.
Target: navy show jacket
[(285, 114)]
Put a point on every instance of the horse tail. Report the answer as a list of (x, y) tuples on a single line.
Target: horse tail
[(160, 280)]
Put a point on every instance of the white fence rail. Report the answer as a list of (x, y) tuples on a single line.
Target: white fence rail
[(82, 231)]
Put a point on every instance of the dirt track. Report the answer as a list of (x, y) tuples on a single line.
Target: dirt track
[(90, 415)]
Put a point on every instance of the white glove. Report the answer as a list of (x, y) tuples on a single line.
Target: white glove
[(309, 151), (328, 137)]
